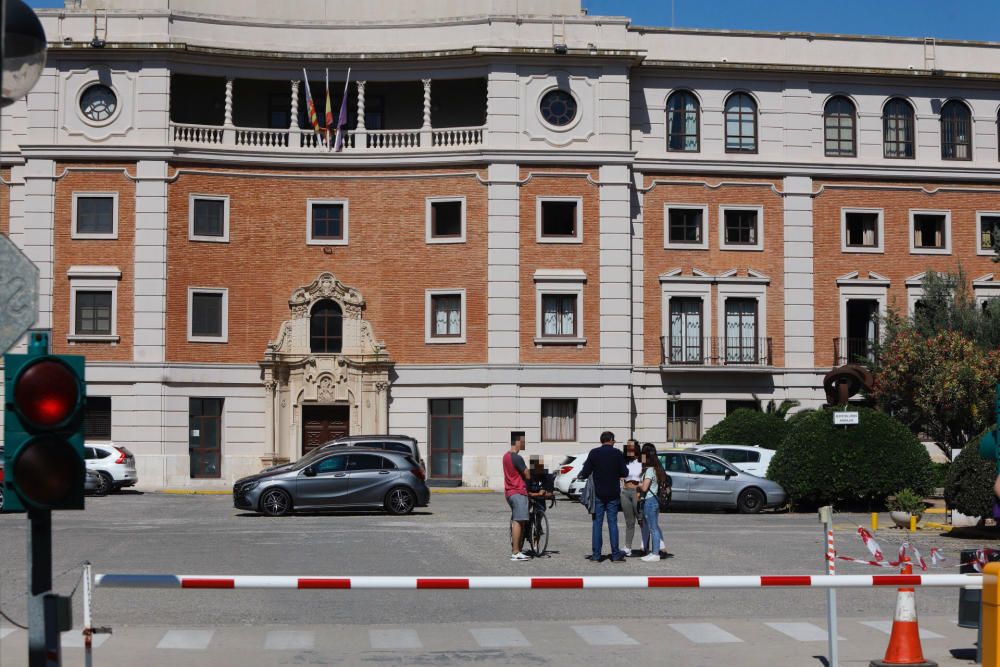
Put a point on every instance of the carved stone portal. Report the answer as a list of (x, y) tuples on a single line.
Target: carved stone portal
[(294, 376)]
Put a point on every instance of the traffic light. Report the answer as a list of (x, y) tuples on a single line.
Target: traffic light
[(989, 444), (44, 398)]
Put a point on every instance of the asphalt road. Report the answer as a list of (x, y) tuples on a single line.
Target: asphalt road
[(460, 534)]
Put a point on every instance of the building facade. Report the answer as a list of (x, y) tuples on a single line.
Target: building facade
[(540, 220)]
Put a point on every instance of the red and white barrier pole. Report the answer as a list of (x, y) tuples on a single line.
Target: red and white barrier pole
[(826, 518), (534, 583)]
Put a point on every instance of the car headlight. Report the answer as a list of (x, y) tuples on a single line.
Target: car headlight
[(249, 486)]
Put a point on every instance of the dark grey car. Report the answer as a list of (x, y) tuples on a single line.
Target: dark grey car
[(393, 443), (342, 477)]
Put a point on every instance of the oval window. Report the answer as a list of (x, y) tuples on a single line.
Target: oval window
[(558, 108), (98, 103)]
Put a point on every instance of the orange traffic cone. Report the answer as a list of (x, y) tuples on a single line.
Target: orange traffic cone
[(904, 642)]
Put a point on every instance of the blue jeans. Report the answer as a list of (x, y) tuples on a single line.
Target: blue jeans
[(611, 509), (651, 515)]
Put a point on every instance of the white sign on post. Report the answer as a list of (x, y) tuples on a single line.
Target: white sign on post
[(18, 293), (845, 418)]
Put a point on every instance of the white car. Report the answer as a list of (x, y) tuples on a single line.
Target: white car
[(113, 463), (753, 460), (566, 481)]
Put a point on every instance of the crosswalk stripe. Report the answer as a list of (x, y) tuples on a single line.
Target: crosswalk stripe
[(499, 637), (74, 639), (705, 633), (802, 632), (886, 627), (399, 639), (603, 635), (289, 640), (190, 640)]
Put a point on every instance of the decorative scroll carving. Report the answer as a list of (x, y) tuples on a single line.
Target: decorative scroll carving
[(326, 286)]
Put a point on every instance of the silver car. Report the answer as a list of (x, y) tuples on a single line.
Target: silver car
[(707, 481), (342, 477)]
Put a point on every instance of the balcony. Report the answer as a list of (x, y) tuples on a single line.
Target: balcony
[(272, 116), (689, 354), (854, 351)]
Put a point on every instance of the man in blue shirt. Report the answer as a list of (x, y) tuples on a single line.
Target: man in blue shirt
[(607, 464)]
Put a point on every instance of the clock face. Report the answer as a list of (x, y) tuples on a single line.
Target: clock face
[(98, 103)]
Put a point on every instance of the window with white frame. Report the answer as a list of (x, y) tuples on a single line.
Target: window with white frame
[(987, 230), (687, 326), (95, 215), (445, 316), (685, 226), (326, 222), (558, 420), (445, 219), (741, 227), (93, 303), (208, 320), (741, 312), (560, 220), (559, 306), (208, 218), (862, 229), (930, 232)]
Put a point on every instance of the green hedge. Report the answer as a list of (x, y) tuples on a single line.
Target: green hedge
[(821, 464), (748, 427), (969, 487)]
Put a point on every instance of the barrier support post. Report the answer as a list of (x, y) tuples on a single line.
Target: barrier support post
[(874, 522), (991, 615), (826, 518), (88, 621)]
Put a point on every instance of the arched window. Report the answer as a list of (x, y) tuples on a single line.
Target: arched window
[(741, 124), (897, 129), (838, 127), (956, 131), (682, 122), (326, 327)]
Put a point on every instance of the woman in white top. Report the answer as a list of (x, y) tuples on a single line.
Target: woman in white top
[(630, 492), (653, 476)]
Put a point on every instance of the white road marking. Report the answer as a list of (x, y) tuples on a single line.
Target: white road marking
[(74, 639), (886, 627), (6, 631), (802, 632), (289, 640), (190, 640), (705, 633), (603, 635), (499, 637), (394, 640)]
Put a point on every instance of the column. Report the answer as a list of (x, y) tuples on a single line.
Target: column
[(37, 237), (293, 121), (616, 262), (503, 263), (638, 275), (229, 133), (361, 132), (150, 263), (798, 278), (503, 107), (425, 131)]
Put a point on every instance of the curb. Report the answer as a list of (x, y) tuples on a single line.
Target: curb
[(193, 492), (459, 489)]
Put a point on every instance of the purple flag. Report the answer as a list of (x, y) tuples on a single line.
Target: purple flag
[(342, 118)]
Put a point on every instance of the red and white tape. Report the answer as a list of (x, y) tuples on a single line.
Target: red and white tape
[(526, 583), (880, 561)]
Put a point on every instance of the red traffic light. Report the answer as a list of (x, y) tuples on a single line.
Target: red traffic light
[(47, 470), (47, 394)]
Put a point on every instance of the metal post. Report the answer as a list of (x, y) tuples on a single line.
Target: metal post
[(826, 516), (88, 621), (990, 638), (44, 649)]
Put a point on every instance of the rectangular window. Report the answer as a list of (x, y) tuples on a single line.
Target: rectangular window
[(988, 228), (207, 315), (741, 331), (279, 111), (94, 216), (683, 421), (445, 220), (741, 227), (686, 344), (558, 420), (685, 226), (205, 437), (446, 315), (97, 418), (93, 313), (327, 223), (861, 229), (559, 315), (447, 437), (930, 231), (209, 218), (559, 220)]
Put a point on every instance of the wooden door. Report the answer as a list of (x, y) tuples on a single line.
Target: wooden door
[(323, 423)]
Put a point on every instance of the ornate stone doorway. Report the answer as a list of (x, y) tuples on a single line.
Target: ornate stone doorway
[(325, 368)]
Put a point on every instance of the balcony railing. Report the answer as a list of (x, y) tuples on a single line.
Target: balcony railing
[(716, 352), (298, 140), (853, 351)]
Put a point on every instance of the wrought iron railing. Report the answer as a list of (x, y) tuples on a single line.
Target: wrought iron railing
[(854, 351), (716, 352)]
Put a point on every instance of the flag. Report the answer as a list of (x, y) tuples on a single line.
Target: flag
[(329, 110), (310, 106), (342, 119)]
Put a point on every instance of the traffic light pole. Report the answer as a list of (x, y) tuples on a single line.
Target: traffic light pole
[(44, 647)]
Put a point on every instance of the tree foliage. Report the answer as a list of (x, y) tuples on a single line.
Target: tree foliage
[(748, 427), (969, 484)]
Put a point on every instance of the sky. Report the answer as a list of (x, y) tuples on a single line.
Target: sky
[(943, 19)]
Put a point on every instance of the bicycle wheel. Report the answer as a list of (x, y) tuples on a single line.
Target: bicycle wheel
[(540, 534)]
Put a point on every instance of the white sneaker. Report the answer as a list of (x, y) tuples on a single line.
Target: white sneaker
[(650, 558), (520, 555), (627, 552)]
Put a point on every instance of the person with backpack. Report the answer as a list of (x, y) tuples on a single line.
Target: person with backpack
[(654, 485)]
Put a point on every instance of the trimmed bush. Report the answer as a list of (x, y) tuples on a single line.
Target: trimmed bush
[(969, 488), (748, 427), (821, 464)]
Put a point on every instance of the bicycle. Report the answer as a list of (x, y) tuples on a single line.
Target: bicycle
[(537, 526)]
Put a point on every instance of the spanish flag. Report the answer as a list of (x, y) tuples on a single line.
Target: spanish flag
[(329, 109)]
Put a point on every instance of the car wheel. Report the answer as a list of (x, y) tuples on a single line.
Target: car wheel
[(400, 501), (105, 485), (275, 502), (750, 501)]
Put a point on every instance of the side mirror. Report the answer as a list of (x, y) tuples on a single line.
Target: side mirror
[(309, 471), (729, 473)]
